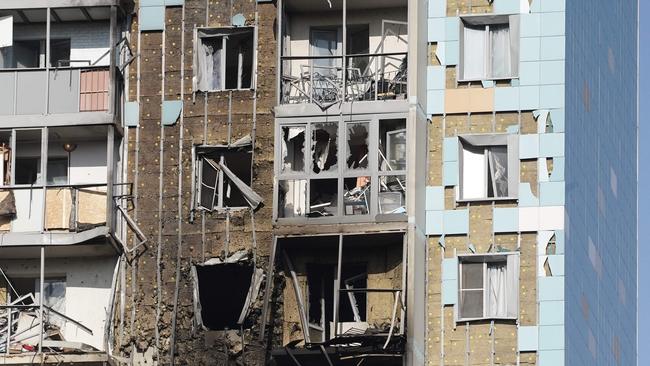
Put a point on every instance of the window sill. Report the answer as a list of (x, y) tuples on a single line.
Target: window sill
[(487, 79), (486, 319), (487, 199), (224, 90)]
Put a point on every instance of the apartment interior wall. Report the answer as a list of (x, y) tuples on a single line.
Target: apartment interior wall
[(87, 295)]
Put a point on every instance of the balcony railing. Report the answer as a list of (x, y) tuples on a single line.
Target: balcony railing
[(66, 90), (62, 208), (320, 79)]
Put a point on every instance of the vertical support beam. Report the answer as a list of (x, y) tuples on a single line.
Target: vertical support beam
[(269, 286), (9, 310), (344, 51), (112, 88), (43, 182), (47, 60), (403, 292), (110, 176), (337, 286), (41, 298), (278, 78)]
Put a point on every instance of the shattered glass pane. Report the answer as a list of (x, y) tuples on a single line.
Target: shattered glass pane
[(392, 194), (292, 197), (356, 136), (293, 149), (356, 195), (392, 145), (324, 147), (498, 171), (323, 197)]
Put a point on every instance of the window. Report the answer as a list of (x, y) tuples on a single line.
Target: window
[(224, 174), (489, 47), (223, 59), (320, 284), (489, 167), (329, 168), (488, 287)]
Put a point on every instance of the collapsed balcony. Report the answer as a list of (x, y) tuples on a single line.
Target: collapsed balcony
[(70, 326), (331, 53), (348, 300), (59, 60)]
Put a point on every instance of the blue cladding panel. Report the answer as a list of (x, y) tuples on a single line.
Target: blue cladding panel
[(526, 196), (506, 219), (131, 113), (436, 77), (171, 111), (527, 338), (434, 222), (450, 292), (559, 241), (552, 24), (556, 262), (452, 28), (437, 8), (529, 49), (551, 193), (456, 221), (553, 5), (450, 268), (450, 149), (552, 48), (551, 358), (152, 18), (144, 3), (506, 99), (435, 101), (551, 288), (529, 72), (529, 146), (551, 313), (452, 52), (506, 6), (435, 198), (436, 30), (551, 144), (530, 25), (450, 173), (528, 97), (488, 83), (551, 96), (551, 337), (552, 72), (557, 116)]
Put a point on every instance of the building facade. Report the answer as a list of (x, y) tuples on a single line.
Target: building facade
[(307, 182)]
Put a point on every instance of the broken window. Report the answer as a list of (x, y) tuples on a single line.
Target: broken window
[(356, 136), (223, 59), (225, 177), (324, 147), (293, 149), (489, 167), (338, 182), (488, 287), (321, 287), (489, 47)]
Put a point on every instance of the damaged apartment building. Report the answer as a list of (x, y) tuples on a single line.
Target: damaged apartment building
[(317, 182)]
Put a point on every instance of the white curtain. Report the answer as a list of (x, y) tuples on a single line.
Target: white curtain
[(293, 154), (295, 198), (500, 50), (498, 161), (474, 179), (497, 299), (474, 52)]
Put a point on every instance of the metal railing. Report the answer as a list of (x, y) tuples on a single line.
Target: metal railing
[(322, 80)]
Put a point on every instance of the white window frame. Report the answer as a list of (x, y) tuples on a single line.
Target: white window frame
[(224, 39), (511, 141), (485, 259), (218, 205), (512, 21)]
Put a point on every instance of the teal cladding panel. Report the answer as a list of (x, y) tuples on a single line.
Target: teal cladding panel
[(505, 220)]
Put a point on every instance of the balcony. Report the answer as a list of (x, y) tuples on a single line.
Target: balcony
[(58, 61), (319, 66)]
